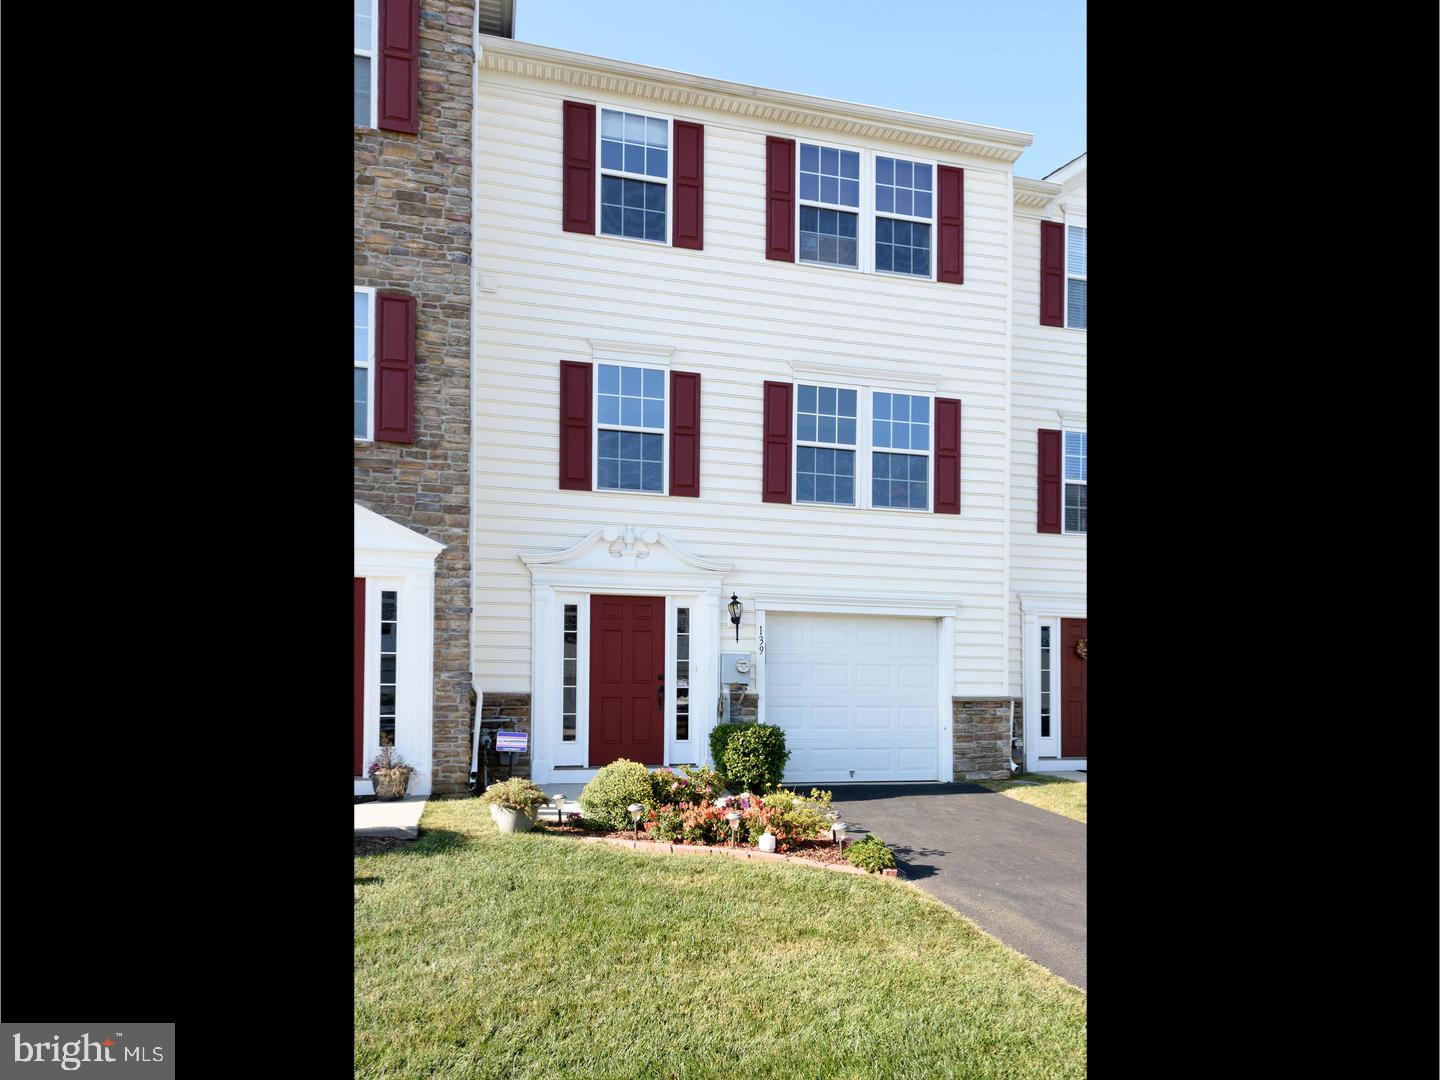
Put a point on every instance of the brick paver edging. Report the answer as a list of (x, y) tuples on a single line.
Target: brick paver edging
[(658, 848)]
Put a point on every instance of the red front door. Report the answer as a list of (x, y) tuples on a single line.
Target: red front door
[(627, 679), (1072, 690), (359, 676)]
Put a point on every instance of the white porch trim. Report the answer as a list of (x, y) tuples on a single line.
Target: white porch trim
[(392, 558), (617, 561), (1035, 608)]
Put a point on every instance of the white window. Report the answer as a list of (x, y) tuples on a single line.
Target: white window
[(388, 651), (571, 678), (862, 447), (634, 176), (904, 214), (1075, 277), (1045, 682), (826, 434), (901, 474), (682, 674), (630, 428), (829, 205), (866, 211), (364, 360), (365, 52), (1075, 482)]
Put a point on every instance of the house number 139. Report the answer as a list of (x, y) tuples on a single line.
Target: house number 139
[(761, 643)]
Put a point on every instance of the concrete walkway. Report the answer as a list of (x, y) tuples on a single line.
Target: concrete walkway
[(1015, 869), (399, 818)]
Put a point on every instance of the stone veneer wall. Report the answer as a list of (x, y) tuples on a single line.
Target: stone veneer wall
[(510, 712), (981, 729), (744, 706), (412, 234)]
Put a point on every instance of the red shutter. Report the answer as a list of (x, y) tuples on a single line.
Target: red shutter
[(780, 211), (394, 368), (1047, 489), (575, 404), (779, 415), (1052, 274), (359, 676), (947, 455), (950, 225), (399, 65), (689, 230), (685, 433), (578, 210)]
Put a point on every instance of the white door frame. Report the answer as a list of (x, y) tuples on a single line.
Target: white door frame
[(392, 558), (829, 603), (1036, 608), (616, 561)]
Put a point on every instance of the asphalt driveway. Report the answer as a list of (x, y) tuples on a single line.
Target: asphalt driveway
[(1015, 869)]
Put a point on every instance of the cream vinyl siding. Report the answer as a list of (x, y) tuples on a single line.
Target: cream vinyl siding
[(1049, 368), (738, 319)]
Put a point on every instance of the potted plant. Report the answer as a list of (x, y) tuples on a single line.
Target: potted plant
[(389, 774), (513, 802)]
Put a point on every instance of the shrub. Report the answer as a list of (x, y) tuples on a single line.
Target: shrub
[(719, 739), (790, 816), (707, 825), (755, 758), (692, 784), (666, 822), (870, 854), (515, 794), (614, 788)]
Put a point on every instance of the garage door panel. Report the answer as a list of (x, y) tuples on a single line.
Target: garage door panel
[(856, 696), (917, 718)]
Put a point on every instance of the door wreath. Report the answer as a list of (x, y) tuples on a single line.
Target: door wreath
[(1080, 648)]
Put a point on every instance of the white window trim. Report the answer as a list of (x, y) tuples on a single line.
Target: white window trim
[(369, 367), (864, 448), (1076, 277), (601, 172), (1065, 433), (865, 226), (596, 427), (374, 54), (672, 673)]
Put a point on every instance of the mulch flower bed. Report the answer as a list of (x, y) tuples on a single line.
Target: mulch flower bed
[(818, 851)]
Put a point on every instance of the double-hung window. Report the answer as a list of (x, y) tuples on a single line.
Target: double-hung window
[(904, 214), (901, 458), (1076, 481), (826, 433), (863, 447), (634, 176), (631, 428), (1075, 276), (365, 63), (364, 360), (829, 205)]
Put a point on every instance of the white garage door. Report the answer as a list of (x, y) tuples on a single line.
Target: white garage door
[(856, 695)]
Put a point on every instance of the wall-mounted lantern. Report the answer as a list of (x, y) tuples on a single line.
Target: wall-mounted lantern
[(735, 614)]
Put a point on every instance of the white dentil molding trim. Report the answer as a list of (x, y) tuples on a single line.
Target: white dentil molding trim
[(680, 89), (1034, 194)]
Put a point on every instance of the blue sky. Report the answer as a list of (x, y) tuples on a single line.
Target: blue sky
[(1011, 63)]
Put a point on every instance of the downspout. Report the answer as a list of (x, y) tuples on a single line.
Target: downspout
[(1013, 767), (477, 697)]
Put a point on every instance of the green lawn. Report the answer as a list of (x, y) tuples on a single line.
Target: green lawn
[(1055, 793), (535, 955)]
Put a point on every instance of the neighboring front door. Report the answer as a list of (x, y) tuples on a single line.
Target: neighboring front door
[(627, 679), (360, 676), (1073, 733)]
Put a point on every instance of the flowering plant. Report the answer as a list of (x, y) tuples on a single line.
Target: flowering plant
[(789, 815), (693, 784), (1080, 648)]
